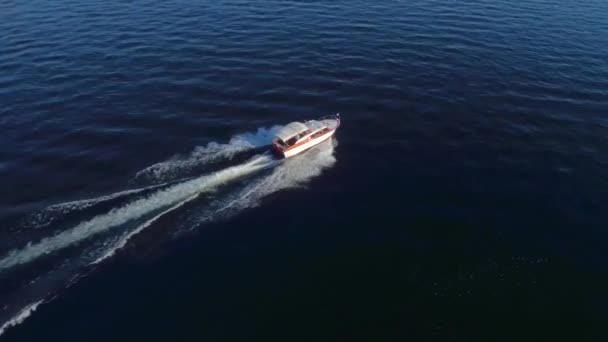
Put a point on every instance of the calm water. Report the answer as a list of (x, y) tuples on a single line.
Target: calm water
[(463, 198)]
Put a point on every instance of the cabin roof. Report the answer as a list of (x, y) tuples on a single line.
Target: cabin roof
[(290, 130)]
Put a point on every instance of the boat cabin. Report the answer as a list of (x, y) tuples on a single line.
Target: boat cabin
[(300, 136), (290, 134), (297, 131)]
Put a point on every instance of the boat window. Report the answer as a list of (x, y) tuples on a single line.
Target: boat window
[(292, 141)]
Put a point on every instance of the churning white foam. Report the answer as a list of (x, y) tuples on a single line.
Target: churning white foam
[(293, 172), (20, 316), (202, 155), (134, 210)]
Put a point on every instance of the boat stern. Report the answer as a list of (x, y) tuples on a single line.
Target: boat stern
[(277, 149)]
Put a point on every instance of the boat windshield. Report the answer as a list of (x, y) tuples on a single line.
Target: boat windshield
[(315, 125)]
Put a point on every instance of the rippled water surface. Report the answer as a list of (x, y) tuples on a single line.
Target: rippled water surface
[(464, 194)]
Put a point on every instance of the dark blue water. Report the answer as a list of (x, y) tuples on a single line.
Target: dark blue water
[(463, 198)]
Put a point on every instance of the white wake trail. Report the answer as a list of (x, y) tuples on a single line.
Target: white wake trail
[(134, 210), (47, 216), (125, 238), (20, 316), (291, 173), (202, 155)]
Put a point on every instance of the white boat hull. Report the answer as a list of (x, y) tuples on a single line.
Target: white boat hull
[(307, 145)]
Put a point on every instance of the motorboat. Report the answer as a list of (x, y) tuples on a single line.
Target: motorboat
[(298, 137)]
